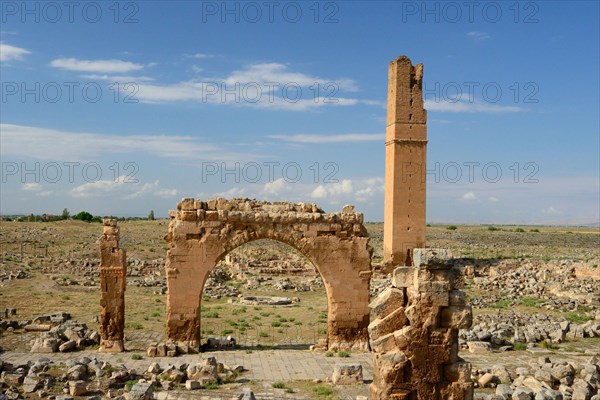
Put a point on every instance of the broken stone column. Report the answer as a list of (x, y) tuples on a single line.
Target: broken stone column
[(414, 332), (113, 268)]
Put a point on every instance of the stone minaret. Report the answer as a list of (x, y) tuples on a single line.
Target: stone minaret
[(113, 268), (405, 170)]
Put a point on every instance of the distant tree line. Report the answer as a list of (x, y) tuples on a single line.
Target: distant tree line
[(66, 215)]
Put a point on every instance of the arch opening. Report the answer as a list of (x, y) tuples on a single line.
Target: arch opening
[(264, 294)]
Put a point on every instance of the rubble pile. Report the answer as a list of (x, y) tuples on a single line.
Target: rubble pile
[(544, 379)]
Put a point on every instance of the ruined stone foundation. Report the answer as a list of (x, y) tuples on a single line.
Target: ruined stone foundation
[(113, 268), (414, 332)]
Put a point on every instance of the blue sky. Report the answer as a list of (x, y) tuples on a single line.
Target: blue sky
[(120, 109)]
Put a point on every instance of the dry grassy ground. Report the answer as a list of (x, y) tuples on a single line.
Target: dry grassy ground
[(35, 247)]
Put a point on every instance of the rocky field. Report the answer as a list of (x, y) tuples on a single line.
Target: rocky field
[(535, 335)]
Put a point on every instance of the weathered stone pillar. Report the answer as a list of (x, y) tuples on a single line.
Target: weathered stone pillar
[(405, 157), (113, 268), (414, 332)]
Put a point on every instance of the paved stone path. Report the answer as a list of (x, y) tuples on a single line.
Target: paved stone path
[(268, 366), (288, 365), (262, 365)]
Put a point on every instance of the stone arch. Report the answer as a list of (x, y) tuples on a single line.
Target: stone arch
[(202, 233)]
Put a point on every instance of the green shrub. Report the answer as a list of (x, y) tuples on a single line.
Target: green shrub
[(520, 346), (329, 354), (276, 323), (577, 318), (212, 314), (520, 230), (322, 391), (343, 354), (501, 304), (263, 334), (136, 356), (492, 228), (278, 385), (548, 345), (451, 227), (210, 386), (531, 302)]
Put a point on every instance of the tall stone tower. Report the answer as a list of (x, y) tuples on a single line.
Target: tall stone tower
[(405, 156)]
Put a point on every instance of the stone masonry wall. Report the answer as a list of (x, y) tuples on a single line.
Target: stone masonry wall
[(201, 233), (113, 268), (414, 332)]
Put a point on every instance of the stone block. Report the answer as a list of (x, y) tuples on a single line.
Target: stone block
[(347, 374), (394, 321), (192, 384), (457, 298), (458, 372), (152, 351), (403, 277), (187, 204), (486, 379), (432, 258), (457, 317), (384, 343), (77, 388), (387, 301), (479, 347), (67, 346), (141, 391), (31, 384)]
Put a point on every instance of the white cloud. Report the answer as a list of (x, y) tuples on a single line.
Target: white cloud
[(228, 194), (478, 35), (369, 189), (265, 85), (201, 56), (551, 211), (274, 187), (99, 66), (469, 196), (341, 138), (378, 103), (332, 190), (33, 186), (122, 188), (469, 106), (493, 199), (250, 95), (119, 78), (50, 144), (12, 53), (280, 73)]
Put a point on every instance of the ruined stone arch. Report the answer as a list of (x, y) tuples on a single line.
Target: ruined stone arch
[(202, 233)]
